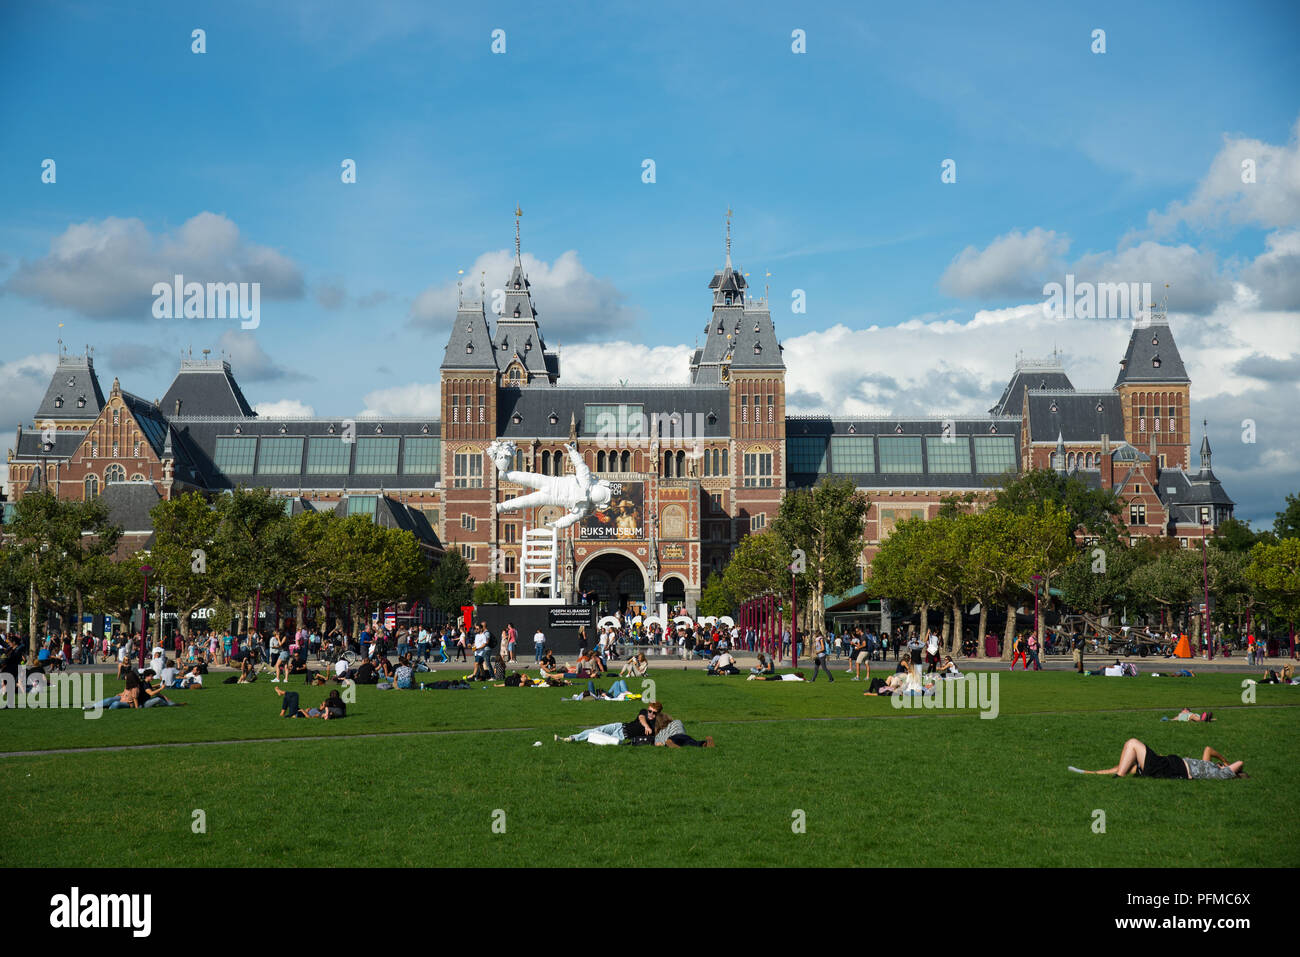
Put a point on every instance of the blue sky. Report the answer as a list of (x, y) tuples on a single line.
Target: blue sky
[(1108, 164)]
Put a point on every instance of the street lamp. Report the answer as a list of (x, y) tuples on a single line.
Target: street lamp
[(144, 612), (1205, 573), (1037, 638)]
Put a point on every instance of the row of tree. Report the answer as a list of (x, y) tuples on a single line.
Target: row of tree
[(227, 554), (1039, 531)]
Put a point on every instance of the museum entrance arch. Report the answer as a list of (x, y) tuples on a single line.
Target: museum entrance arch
[(612, 580)]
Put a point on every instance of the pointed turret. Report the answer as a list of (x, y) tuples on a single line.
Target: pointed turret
[(1205, 447), (521, 350)]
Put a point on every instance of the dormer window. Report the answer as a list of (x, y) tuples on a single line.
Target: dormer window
[(712, 417), (516, 418), (553, 418), (993, 429), (505, 342), (1042, 384), (1155, 362), (379, 430), (528, 346), (81, 402), (239, 430), (424, 430), (58, 401), (757, 348), (1052, 408), (330, 430), (516, 312), (1155, 340), (516, 286), (469, 348), (756, 327), (284, 429), (1100, 407)]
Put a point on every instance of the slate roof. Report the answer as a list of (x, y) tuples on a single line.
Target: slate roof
[(1148, 343), (74, 379), (470, 329), (1074, 416), (205, 387), (535, 408), (1198, 488), (129, 504), (963, 430), (29, 445), (1030, 375)]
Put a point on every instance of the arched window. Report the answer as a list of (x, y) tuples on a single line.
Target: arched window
[(725, 470), (668, 465), (546, 463), (92, 487), (600, 461), (626, 462), (681, 464), (114, 473)]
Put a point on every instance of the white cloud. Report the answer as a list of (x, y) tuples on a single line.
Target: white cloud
[(284, 409), (416, 399), (22, 386), (571, 303), (1011, 266), (1195, 283), (107, 268), (1275, 274), (610, 362), (1272, 201), (249, 362)]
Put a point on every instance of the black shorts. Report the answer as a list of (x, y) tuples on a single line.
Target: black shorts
[(1163, 766)]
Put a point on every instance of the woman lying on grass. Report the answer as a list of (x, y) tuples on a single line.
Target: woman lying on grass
[(331, 707), (669, 733), (1137, 758)]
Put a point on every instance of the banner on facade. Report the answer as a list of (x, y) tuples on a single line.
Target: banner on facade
[(621, 519)]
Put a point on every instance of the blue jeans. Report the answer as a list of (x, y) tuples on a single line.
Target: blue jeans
[(539, 649), (616, 729)]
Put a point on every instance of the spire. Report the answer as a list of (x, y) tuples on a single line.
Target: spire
[(728, 237), (1205, 446), (1060, 452), (518, 215)]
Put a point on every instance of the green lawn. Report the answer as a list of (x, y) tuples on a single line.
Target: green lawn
[(875, 785)]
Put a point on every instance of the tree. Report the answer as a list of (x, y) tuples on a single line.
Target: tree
[(1287, 523), (826, 523), (1274, 574), (55, 544), (1092, 509), (759, 565), (118, 587), (1097, 580), (1167, 582), (901, 569), (253, 546), (491, 592), (715, 600), (1234, 535), (185, 529), (452, 586)]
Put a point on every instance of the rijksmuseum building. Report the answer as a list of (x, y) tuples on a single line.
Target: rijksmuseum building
[(695, 466)]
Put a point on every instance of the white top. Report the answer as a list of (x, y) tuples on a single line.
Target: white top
[(538, 636), (480, 640), (167, 675), (340, 667)]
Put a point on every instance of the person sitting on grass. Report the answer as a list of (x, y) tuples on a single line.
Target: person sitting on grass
[(949, 668), (765, 667), (723, 664), (403, 674), (247, 673), (669, 733), (1137, 758), (192, 678), (549, 668), (129, 697), (636, 666), (642, 726), (153, 697)]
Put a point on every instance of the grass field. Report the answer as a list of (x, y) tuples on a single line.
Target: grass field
[(875, 785)]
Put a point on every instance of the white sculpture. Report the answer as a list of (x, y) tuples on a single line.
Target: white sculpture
[(580, 493)]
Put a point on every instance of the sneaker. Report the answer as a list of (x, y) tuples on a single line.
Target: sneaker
[(275, 681), (1077, 770)]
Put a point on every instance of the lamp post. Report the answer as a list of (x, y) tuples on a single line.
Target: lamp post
[(144, 612), (1037, 579), (1205, 573)]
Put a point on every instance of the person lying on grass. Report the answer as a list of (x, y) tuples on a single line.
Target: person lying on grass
[(331, 707), (669, 733), (793, 676), (1187, 714), (1137, 758), (642, 726)]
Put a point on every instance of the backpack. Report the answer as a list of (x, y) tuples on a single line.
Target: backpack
[(494, 642)]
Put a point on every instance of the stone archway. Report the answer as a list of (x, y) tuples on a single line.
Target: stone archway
[(616, 579)]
